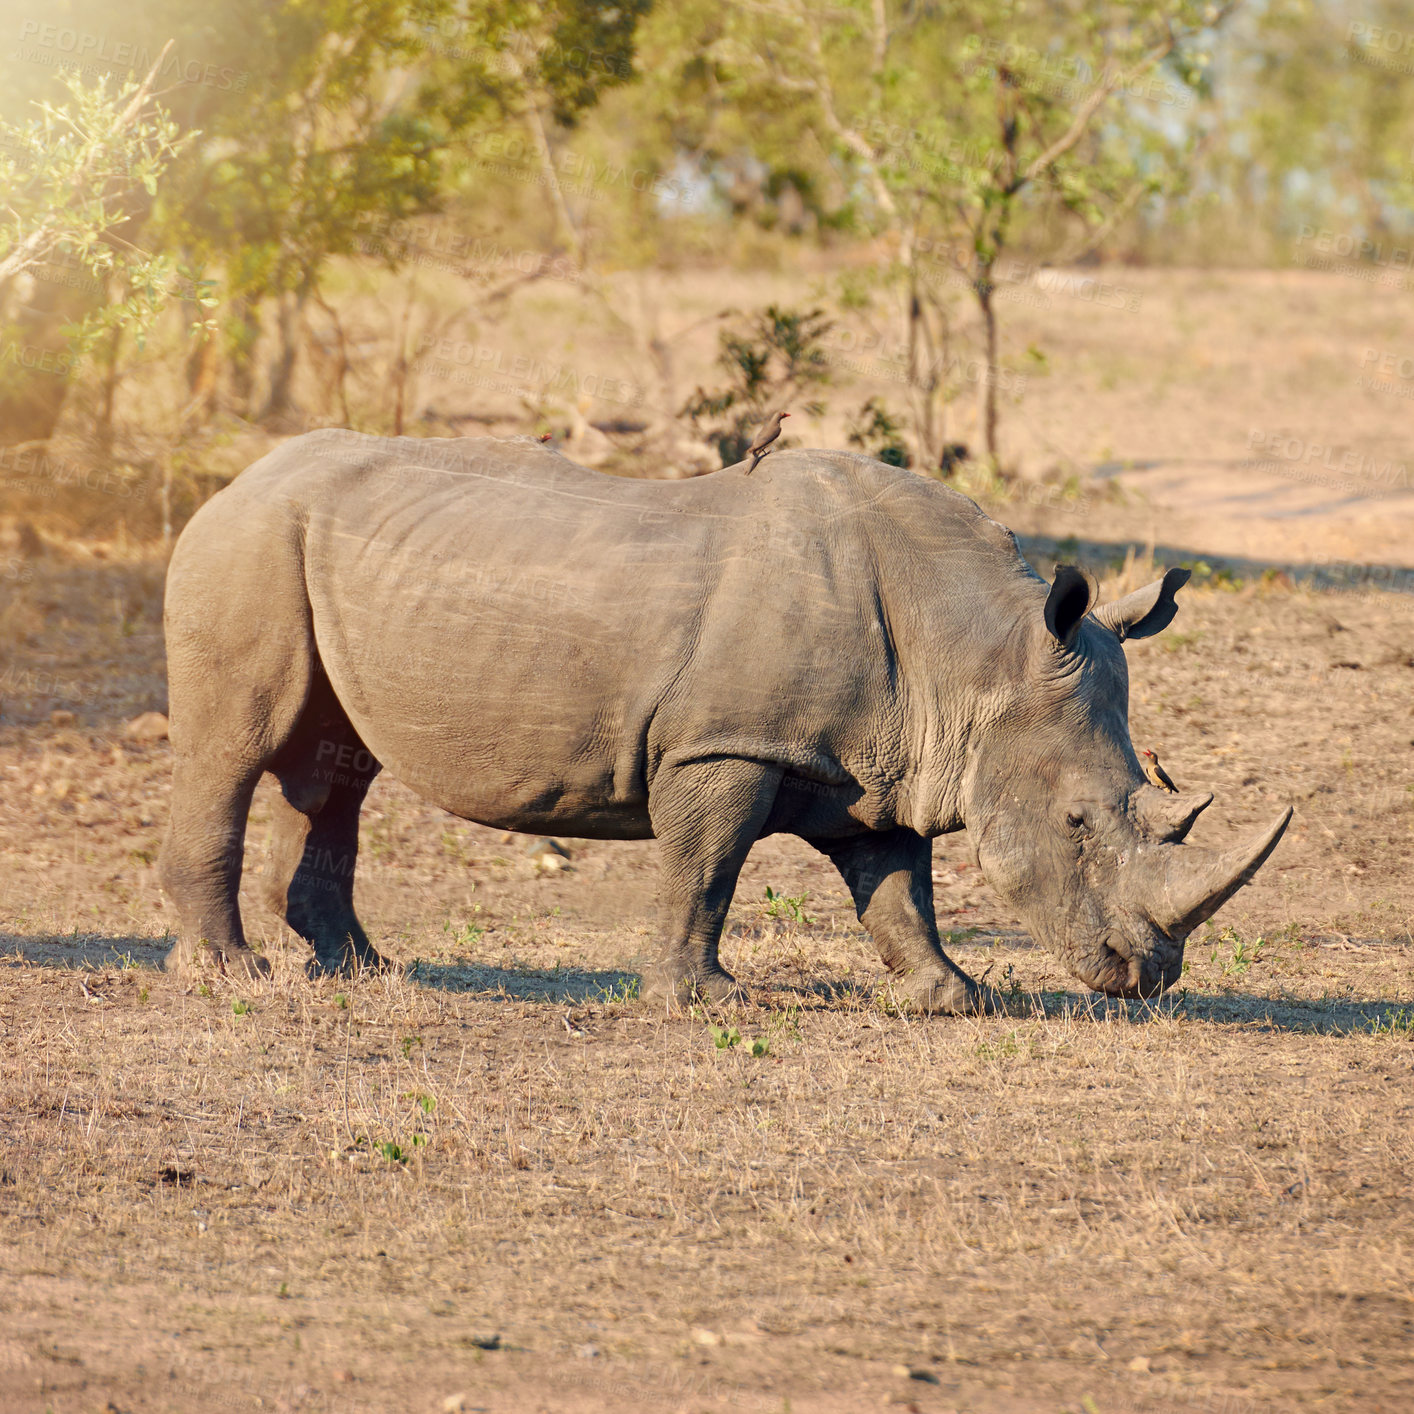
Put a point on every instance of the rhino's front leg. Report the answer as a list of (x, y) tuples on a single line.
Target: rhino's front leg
[(890, 876), (706, 816)]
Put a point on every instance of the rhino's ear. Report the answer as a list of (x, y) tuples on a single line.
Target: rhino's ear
[(1067, 603), (1147, 611)]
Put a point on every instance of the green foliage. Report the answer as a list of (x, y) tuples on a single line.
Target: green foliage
[(626, 989), (770, 358), (78, 179), (724, 1037), (1242, 952), (791, 909), (878, 433), (395, 1152), (469, 934), (239, 1008), (1397, 1025)]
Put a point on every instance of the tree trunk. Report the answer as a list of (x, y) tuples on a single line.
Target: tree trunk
[(987, 385), (280, 400), (37, 361), (107, 397), (242, 332)]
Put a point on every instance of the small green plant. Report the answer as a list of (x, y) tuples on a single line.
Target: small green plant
[(341, 1000), (785, 1023), (792, 909), (1396, 1024), (1003, 1049), (204, 990), (725, 1037), (624, 990), (239, 1008), (469, 934), (398, 1153), (409, 1043), (760, 1047), (142, 994), (1243, 953)]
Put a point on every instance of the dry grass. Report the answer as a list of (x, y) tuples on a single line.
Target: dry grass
[(1163, 1206), (1077, 1206), (1143, 1208)]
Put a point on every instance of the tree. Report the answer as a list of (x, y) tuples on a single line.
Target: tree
[(357, 115), (771, 358), (962, 130), (78, 177)]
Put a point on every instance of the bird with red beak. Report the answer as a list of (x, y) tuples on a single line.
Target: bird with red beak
[(770, 430)]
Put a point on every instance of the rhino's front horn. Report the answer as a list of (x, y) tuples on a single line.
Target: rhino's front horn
[(1197, 882), (1169, 816)]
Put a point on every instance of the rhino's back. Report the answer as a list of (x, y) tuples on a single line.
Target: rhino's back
[(504, 625)]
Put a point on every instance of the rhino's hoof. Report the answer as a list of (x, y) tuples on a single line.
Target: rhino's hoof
[(670, 990), (247, 961), (232, 960), (949, 996)]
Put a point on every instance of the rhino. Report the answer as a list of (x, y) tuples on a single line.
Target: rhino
[(832, 648)]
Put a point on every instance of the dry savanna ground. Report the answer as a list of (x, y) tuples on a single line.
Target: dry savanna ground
[(495, 1182)]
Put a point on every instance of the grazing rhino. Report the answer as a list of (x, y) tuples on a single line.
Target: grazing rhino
[(831, 648)]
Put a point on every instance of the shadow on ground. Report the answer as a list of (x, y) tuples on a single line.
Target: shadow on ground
[(1337, 1016), (86, 950), (560, 985), (1328, 575)]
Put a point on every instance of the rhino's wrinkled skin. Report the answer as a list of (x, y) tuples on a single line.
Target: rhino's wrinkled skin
[(831, 648)]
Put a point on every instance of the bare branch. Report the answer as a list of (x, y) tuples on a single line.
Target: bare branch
[(1096, 100)]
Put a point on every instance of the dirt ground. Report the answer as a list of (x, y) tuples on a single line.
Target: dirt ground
[(496, 1183)]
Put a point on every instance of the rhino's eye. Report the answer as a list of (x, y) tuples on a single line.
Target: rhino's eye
[(1075, 819)]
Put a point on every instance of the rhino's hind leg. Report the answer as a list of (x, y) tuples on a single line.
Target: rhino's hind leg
[(706, 816), (240, 660), (201, 867), (324, 773), (890, 877)]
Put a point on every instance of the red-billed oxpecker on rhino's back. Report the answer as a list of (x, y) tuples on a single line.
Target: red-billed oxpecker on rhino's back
[(835, 649)]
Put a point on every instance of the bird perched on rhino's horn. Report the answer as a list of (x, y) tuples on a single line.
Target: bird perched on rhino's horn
[(770, 430), (1149, 760)]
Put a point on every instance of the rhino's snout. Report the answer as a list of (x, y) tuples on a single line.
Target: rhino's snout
[(1140, 966)]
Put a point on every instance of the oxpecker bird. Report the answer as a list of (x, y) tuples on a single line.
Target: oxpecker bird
[(1157, 775), (769, 432)]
